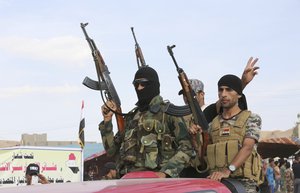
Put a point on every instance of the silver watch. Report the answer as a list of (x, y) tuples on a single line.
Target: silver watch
[(232, 168)]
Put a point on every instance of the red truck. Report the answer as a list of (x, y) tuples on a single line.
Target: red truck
[(136, 182)]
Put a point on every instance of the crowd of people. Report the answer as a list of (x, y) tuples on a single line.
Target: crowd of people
[(281, 176)]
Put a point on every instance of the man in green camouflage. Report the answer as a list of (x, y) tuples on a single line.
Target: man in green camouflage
[(234, 134), (153, 140)]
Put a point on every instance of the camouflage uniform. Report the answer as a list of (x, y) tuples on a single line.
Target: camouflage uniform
[(197, 86), (193, 169), (282, 178), (153, 140), (289, 180), (250, 185), (252, 130)]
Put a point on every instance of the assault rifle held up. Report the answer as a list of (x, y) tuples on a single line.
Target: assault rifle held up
[(198, 116), (104, 82), (138, 52)]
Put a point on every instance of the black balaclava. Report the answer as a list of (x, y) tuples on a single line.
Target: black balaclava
[(151, 90)]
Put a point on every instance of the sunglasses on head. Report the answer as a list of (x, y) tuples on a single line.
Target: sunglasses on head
[(143, 82)]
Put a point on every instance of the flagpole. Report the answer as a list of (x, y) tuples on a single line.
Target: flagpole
[(82, 165), (81, 140)]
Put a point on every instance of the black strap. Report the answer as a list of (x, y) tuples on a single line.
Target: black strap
[(234, 185)]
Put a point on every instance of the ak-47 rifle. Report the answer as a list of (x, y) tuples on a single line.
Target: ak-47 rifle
[(138, 52), (104, 82), (198, 116)]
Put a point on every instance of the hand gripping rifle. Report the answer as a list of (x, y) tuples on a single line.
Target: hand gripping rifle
[(104, 82), (138, 52), (198, 116)]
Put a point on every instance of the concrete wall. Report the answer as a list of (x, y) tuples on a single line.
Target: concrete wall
[(41, 140)]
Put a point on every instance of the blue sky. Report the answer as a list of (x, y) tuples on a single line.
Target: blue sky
[(44, 57)]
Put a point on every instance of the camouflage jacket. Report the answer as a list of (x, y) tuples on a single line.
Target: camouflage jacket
[(153, 141), (289, 180)]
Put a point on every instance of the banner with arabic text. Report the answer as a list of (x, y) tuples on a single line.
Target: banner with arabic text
[(58, 165)]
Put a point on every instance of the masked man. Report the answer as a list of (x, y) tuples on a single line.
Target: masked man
[(153, 140)]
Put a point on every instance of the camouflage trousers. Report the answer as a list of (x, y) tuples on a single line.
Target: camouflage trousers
[(250, 185)]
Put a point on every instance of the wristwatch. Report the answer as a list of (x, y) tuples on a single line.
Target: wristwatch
[(232, 168)]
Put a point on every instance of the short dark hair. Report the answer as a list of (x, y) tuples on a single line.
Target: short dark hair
[(281, 161), (271, 160), (287, 165), (107, 167)]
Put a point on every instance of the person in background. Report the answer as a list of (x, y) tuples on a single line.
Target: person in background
[(198, 88), (270, 175), (277, 176), (264, 188), (92, 173), (282, 168), (108, 171), (192, 170), (296, 171), (33, 176), (289, 178)]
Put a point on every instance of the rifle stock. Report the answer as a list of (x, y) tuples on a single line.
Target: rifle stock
[(198, 116), (104, 82)]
